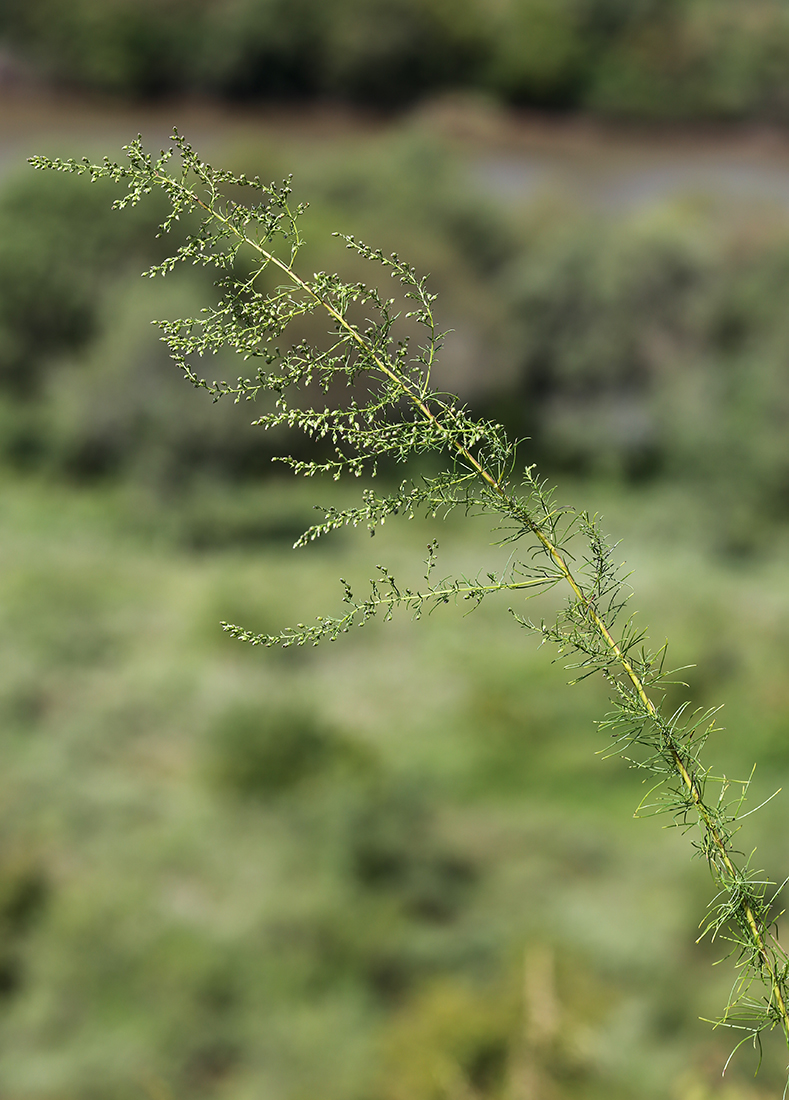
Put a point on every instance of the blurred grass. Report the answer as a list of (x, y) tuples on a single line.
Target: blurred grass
[(434, 810)]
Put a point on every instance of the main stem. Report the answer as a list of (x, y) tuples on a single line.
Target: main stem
[(758, 932)]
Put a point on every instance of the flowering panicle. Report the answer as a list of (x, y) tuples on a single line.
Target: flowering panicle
[(366, 394)]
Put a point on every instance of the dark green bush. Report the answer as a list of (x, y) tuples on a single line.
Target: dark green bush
[(390, 52), (264, 48), (59, 243), (651, 58), (118, 408), (656, 344), (599, 309), (394, 850), (258, 753), (700, 58), (128, 47), (540, 53)]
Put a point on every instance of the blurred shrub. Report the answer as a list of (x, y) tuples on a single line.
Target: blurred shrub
[(130, 47), (656, 344), (599, 308), (743, 54), (519, 1036), (658, 58), (59, 242), (260, 752), (24, 894), (388, 842), (540, 52), (451, 1040), (649, 71), (394, 851), (410, 190), (264, 47), (699, 58), (390, 52), (122, 407)]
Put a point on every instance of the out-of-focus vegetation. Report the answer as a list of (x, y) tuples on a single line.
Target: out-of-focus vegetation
[(393, 870), (390, 869), (643, 58), (658, 346), (649, 346)]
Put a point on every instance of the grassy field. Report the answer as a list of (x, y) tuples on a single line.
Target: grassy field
[(396, 867)]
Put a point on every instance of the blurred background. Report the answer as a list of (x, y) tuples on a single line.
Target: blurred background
[(395, 868)]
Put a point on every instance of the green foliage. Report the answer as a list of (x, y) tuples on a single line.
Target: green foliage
[(132, 48), (76, 401), (57, 248), (696, 59), (384, 51), (643, 58), (264, 47), (655, 347), (390, 52), (193, 941), (261, 755), (541, 52), (368, 390), (619, 347), (114, 411)]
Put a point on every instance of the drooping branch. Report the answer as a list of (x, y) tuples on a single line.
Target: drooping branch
[(400, 416)]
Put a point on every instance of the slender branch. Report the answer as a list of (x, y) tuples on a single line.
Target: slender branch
[(244, 317)]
